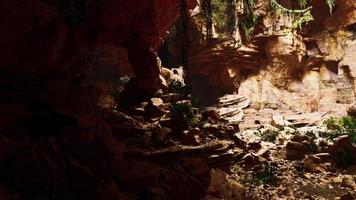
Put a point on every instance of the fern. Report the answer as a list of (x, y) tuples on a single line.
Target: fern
[(303, 19), (331, 4), (303, 3), (300, 16), (250, 20)]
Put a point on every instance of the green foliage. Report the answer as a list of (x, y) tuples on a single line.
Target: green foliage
[(311, 135), (331, 4), (332, 124), (248, 24), (178, 87), (265, 177), (301, 19), (223, 16), (269, 135), (303, 3), (348, 123), (300, 16), (220, 17), (299, 166), (250, 20), (184, 110), (342, 126), (268, 176)]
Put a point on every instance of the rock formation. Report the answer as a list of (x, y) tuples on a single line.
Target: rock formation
[(309, 70), (89, 111)]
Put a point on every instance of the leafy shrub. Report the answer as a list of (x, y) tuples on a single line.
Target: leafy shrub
[(266, 176), (332, 124), (311, 135), (179, 87), (269, 135), (182, 110), (343, 126)]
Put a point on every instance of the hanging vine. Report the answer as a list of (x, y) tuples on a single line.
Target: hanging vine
[(300, 16), (250, 19), (218, 13)]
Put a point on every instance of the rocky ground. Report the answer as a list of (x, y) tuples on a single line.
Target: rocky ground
[(204, 154)]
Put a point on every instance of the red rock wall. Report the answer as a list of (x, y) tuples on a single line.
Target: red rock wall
[(53, 140)]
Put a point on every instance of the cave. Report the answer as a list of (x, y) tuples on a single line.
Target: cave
[(177, 99)]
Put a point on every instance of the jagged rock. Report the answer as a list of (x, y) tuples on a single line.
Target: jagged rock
[(237, 101), (192, 137), (251, 160), (157, 102), (212, 114), (254, 145), (349, 181), (300, 138), (239, 142), (154, 110), (170, 76), (161, 134), (223, 187), (171, 97), (297, 150), (346, 196), (342, 150), (300, 120), (351, 111), (314, 163)]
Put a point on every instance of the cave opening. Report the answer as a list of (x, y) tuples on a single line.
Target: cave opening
[(177, 99)]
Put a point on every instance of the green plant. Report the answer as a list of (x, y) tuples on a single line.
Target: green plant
[(196, 122), (331, 4), (343, 126), (179, 87), (347, 123), (299, 166), (331, 124), (300, 16), (303, 3), (313, 147), (184, 110), (250, 20), (311, 135), (267, 176), (218, 13), (269, 135)]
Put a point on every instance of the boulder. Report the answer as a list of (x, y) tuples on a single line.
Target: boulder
[(212, 114), (342, 150), (223, 187), (157, 102), (317, 163), (250, 160), (162, 133), (171, 97), (192, 137), (296, 150)]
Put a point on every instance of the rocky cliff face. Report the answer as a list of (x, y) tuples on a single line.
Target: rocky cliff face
[(60, 66), (309, 70)]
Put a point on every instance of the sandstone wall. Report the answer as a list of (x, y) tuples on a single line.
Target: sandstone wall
[(306, 71)]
